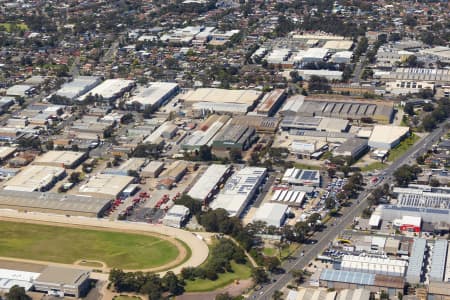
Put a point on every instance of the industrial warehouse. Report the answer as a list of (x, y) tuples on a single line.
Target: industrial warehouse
[(220, 100), (64, 204), (270, 103), (77, 87), (65, 159), (239, 190), (35, 178), (355, 109), (238, 137), (301, 177), (206, 133), (386, 136), (273, 214), (429, 204), (205, 187), (109, 90), (105, 185), (154, 95)]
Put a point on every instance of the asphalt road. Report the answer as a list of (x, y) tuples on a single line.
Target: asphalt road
[(331, 232)]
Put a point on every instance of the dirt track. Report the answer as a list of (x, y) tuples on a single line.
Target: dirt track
[(198, 247)]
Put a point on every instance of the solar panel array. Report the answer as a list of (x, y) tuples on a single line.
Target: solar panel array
[(424, 199), (309, 175)]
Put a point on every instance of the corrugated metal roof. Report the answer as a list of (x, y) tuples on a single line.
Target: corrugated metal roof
[(416, 259), (347, 277), (438, 260)]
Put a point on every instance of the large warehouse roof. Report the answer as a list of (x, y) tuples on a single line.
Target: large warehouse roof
[(338, 107), (208, 181), (271, 213), (62, 158), (10, 278), (416, 260), (222, 96), (105, 185), (109, 88), (375, 265), (33, 178), (339, 45), (153, 94), (387, 133), (239, 189), (62, 203), (347, 277), (78, 86), (438, 260), (418, 74), (62, 276)]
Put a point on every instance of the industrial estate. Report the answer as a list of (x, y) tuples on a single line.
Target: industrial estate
[(207, 149)]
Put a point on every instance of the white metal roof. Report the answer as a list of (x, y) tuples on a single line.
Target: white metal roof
[(387, 133), (153, 93), (10, 278), (271, 213), (208, 181), (438, 260)]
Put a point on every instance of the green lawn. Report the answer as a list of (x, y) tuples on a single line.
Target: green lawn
[(374, 166), (66, 245), (205, 285), (305, 166), (398, 151), (7, 26), (271, 251)]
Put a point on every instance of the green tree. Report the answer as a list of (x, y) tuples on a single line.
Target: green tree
[(194, 206), (272, 263), (277, 295), (17, 293), (434, 182), (299, 276), (429, 123), (330, 203), (235, 155), (405, 174), (409, 109), (205, 153), (171, 282), (75, 177), (259, 275), (223, 296)]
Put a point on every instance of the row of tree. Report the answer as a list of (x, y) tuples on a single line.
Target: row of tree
[(146, 283)]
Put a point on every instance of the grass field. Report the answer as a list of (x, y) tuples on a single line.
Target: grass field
[(205, 285), (374, 166), (307, 167), (67, 245), (398, 151), (271, 251)]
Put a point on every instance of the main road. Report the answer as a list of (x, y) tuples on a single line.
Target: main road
[(309, 251)]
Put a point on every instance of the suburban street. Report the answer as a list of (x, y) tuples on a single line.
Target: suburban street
[(330, 233)]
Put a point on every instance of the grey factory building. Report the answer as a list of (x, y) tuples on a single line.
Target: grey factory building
[(72, 282), (64, 204), (355, 109), (353, 147), (233, 137)]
